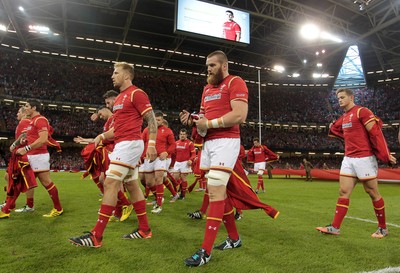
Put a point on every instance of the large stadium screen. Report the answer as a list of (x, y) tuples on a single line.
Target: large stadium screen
[(209, 20)]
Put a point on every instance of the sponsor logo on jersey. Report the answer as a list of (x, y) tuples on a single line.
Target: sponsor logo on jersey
[(212, 97), (347, 125), (117, 107)]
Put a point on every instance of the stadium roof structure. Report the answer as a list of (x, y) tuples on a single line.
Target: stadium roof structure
[(142, 32)]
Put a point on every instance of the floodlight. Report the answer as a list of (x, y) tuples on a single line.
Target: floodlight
[(21, 8), (39, 28), (316, 75), (3, 27), (310, 32), (295, 75), (279, 68)]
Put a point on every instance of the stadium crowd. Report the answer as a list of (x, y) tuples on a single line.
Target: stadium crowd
[(28, 76)]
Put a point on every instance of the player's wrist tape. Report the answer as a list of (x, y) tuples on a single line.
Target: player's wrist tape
[(216, 123), (28, 148), (152, 143), (103, 136)]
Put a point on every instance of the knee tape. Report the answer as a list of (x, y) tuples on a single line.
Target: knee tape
[(218, 178), (117, 172), (260, 172), (132, 175)]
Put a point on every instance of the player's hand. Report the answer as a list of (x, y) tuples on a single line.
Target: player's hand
[(392, 160), (185, 118), (151, 153), (97, 141), (201, 125), (163, 155), (94, 117), (21, 151), (78, 139), (189, 163)]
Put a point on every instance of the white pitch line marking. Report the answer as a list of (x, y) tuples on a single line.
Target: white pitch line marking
[(385, 270), (371, 221)]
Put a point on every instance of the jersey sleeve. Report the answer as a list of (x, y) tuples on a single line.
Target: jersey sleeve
[(141, 101), (238, 90), (41, 124), (250, 155), (336, 129), (365, 115), (171, 143)]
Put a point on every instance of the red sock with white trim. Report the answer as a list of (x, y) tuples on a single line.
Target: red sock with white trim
[(169, 186), (140, 209), (105, 213), (214, 219), (184, 186), (124, 200), (53, 192), (30, 202), (160, 194), (342, 207), (229, 220), (379, 207)]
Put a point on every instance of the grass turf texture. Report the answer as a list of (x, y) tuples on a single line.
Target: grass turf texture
[(32, 243)]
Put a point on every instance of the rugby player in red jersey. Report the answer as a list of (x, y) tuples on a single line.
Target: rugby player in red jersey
[(154, 170), (259, 155), (130, 108), (185, 154), (364, 144), (224, 105), (38, 134)]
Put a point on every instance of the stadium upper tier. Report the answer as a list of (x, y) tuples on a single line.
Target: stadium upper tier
[(29, 76)]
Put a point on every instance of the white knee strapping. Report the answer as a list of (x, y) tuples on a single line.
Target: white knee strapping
[(117, 172), (218, 178), (132, 175), (260, 172)]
